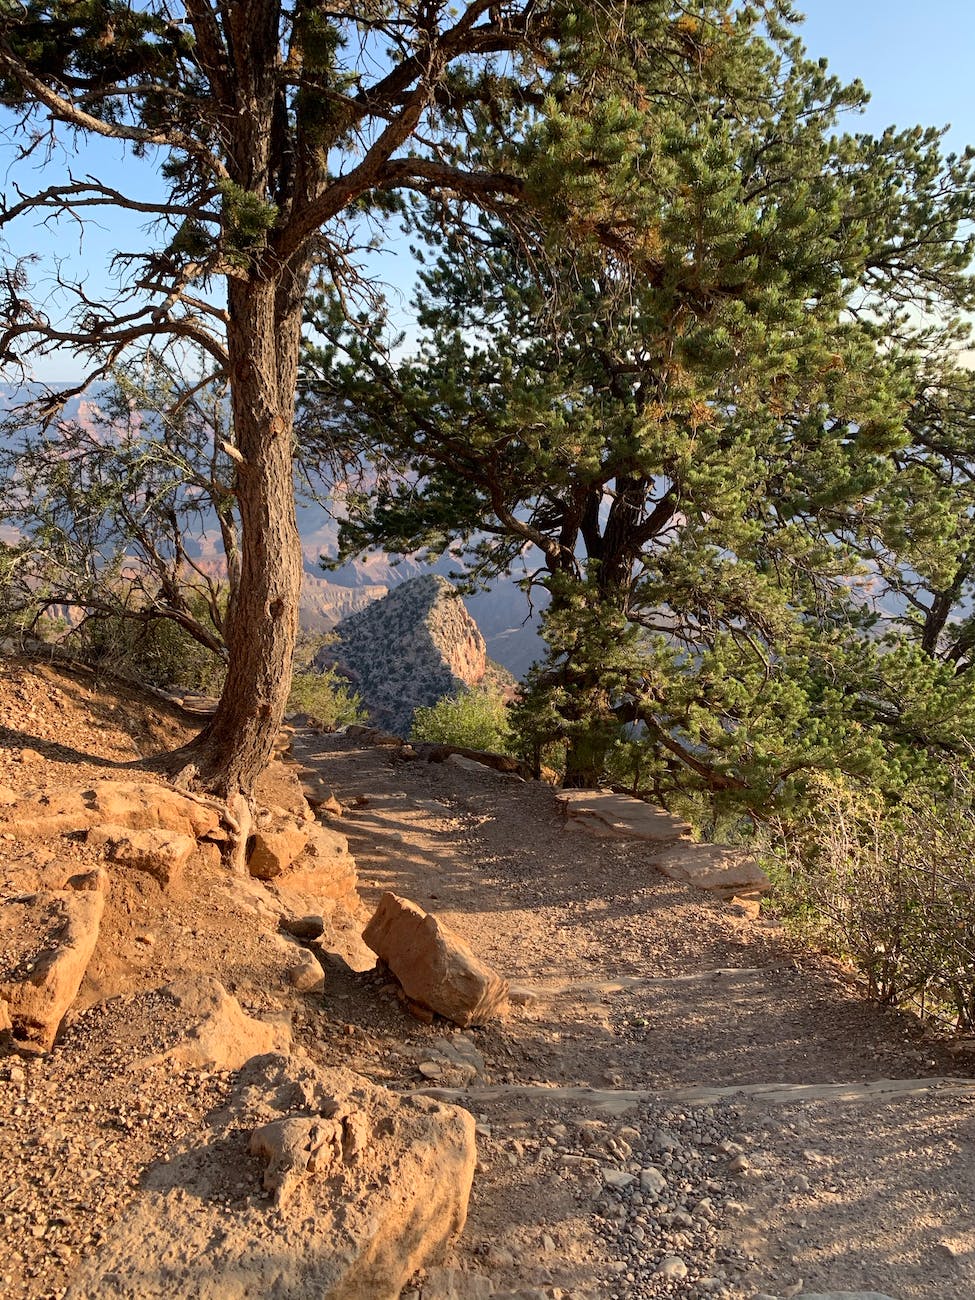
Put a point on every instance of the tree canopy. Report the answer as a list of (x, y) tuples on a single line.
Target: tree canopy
[(719, 454), (282, 139)]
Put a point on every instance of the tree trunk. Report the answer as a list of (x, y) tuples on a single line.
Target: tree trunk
[(583, 768), (262, 621)]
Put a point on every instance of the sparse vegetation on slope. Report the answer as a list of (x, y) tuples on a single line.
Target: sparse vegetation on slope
[(472, 720)]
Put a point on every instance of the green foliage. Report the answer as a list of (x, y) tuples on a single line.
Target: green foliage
[(156, 651), (247, 218), (715, 446), (326, 697), (472, 720), (889, 887)]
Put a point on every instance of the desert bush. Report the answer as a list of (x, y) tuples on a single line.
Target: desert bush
[(471, 720), (326, 697), (159, 653), (888, 887)]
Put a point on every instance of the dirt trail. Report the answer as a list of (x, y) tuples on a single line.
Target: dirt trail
[(634, 1137)]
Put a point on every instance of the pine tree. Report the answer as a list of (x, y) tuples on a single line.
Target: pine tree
[(697, 445), (279, 133)]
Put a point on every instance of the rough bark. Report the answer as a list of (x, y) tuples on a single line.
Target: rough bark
[(262, 622), (263, 345), (248, 103)]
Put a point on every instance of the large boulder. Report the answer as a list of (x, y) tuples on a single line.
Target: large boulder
[(310, 1185), (46, 942), (434, 966)]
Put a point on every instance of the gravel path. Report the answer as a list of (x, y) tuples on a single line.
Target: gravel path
[(609, 1166)]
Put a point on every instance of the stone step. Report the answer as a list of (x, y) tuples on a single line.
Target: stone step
[(620, 1101), (720, 868), (608, 813), (549, 989)]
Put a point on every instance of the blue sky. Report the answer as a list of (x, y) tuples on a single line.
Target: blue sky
[(915, 58)]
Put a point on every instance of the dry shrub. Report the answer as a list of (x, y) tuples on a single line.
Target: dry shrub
[(888, 887)]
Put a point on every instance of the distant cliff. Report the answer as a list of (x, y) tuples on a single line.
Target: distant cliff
[(409, 649)]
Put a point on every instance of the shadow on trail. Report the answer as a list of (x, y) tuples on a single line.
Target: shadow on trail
[(540, 901)]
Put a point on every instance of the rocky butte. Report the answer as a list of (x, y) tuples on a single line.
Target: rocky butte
[(409, 650)]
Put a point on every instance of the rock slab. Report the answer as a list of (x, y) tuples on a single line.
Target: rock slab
[(219, 1034), (721, 869), (161, 853), (434, 966), (137, 805), (312, 1184), (46, 942)]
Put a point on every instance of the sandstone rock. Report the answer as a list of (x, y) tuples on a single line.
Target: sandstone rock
[(47, 941), (220, 1036), (711, 866), (618, 815), (473, 765), (325, 869), (318, 792), (366, 1187), (303, 927), (434, 966), (6, 1024), (306, 974), (653, 1181), (457, 1059), (294, 1148), (323, 882), (138, 805), (272, 851), (618, 1178), (161, 853)]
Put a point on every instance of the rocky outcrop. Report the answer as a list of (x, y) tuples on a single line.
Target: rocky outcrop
[(312, 895), (272, 849), (161, 853), (46, 942), (410, 649), (311, 1185), (136, 805), (219, 1034), (434, 967)]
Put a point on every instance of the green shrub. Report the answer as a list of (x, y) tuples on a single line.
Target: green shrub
[(326, 697), (890, 888), (159, 653), (472, 720)]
